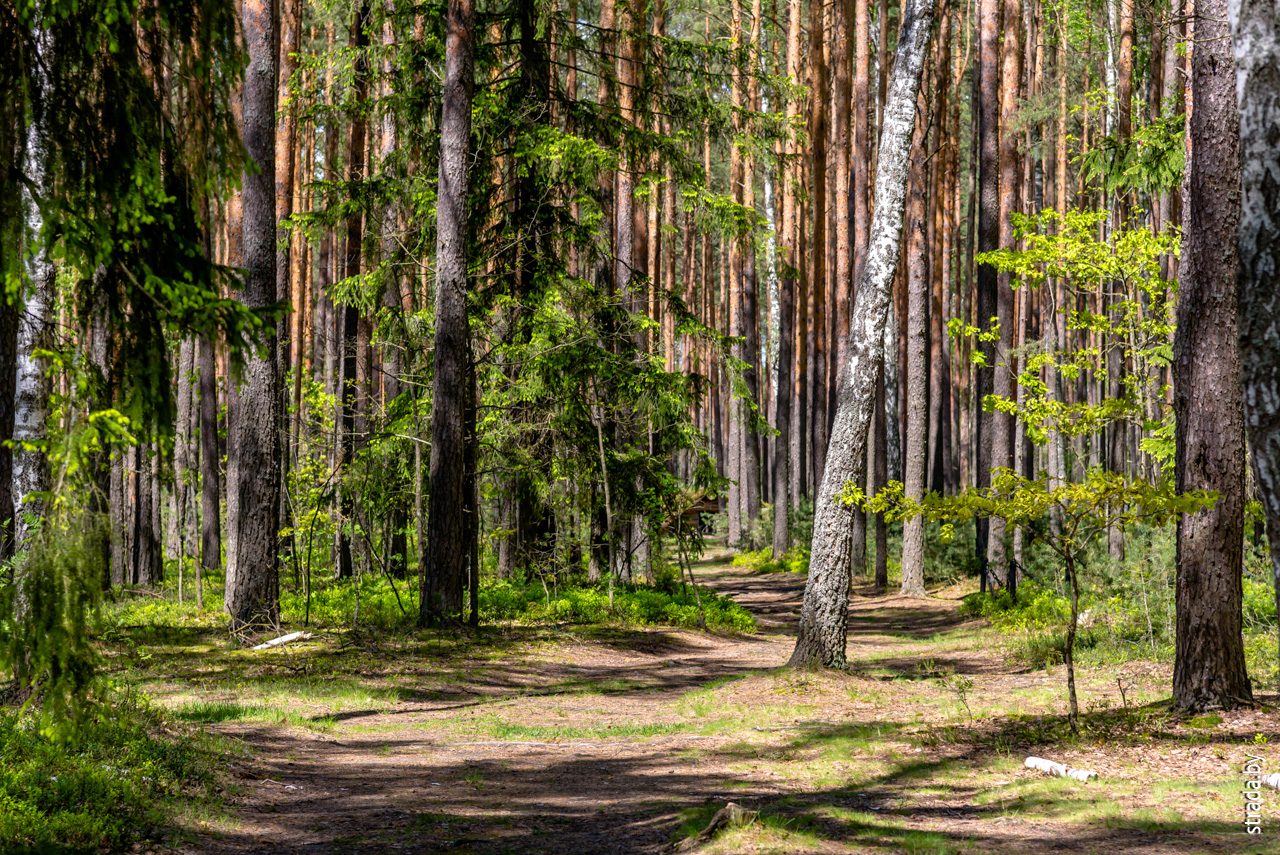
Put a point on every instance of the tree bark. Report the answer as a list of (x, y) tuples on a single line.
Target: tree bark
[(253, 470), (783, 392), (349, 392), (917, 356), (987, 84), (823, 616), (817, 377), (447, 552), (1209, 664), (210, 471), (1256, 35)]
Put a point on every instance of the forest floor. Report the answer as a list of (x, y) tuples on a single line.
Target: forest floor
[(609, 740)]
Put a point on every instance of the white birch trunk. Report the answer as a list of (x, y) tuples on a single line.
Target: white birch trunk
[(1255, 30), (823, 617), (31, 391)]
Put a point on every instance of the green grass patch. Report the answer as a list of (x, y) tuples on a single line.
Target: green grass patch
[(116, 781), (213, 712), (552, 733), (794, 560), (634, 604)]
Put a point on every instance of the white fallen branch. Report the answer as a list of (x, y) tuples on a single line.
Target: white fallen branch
[(284, 639), (1051, 768), (1272, 781)]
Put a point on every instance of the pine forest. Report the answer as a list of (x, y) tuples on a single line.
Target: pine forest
[(639, 426)]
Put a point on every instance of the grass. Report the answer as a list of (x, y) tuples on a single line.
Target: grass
[(874, 760), (124, 777)]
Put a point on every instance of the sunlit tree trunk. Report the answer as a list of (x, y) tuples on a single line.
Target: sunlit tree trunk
[(818, 250), (917, 356), (823, 617), (789, 246), (1209, 663), (1256, 35)]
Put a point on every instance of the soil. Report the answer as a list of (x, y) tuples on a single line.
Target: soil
[(608, 742)]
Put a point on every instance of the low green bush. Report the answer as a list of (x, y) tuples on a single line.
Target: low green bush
[(513, 601), (794, 560), (115, 781)]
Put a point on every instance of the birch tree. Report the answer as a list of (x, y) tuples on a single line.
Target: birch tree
[(823, 616), (1256, 36)]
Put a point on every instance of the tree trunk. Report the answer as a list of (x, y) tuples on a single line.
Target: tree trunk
[(823, 616), (1209, 665), (1257, 44), (917, 356), (210, 471), (349, 392), (818, 251), (253, 468), (987, 85), (1002, 428), (783, 391), (448, 549)]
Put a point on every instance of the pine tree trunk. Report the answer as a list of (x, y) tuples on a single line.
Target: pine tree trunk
[(783, 457), (823, 616), (1209, 665), (987, 85), (253, 470), (1256, 34), (210, 470), (818, 251), (1002, 428), (350, 393), (447, 553), (917, 356)]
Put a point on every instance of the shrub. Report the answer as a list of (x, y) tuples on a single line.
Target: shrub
[(645, 605), (114, 782)]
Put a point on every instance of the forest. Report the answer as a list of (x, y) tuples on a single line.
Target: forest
[(539, 426)]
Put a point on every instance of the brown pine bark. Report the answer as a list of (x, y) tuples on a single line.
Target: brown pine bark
[(987, 86), (818, 252), (254, 422), (446, 559), (1209, 664), (789, 250), (917, 366), (939, 460)]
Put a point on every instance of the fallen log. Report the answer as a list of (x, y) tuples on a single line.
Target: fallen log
[(1051, 768), (284, 639)]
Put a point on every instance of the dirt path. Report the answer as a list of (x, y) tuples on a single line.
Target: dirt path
[(607, 744)]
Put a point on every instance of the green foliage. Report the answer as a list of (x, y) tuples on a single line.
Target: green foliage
[(127, 170), (1139, 323), (794, 560), (1150, 161), (384, 603), (506, 600), (1036, 608), (117, 781)]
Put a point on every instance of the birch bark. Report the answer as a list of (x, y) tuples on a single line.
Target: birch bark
[(1256, 35), (823, 616)]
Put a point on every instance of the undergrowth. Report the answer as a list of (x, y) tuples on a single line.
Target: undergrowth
[(119, 779), (509, 600), (1127, 608), (388, 604)]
